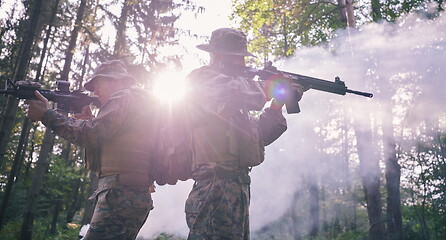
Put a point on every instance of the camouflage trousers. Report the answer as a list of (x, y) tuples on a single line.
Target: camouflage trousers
[(218, 208), (119, 213)]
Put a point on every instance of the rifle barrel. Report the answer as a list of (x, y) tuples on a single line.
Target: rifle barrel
[(337, 87), (365, 94)]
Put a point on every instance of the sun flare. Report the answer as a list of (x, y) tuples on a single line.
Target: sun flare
[(170, 86)]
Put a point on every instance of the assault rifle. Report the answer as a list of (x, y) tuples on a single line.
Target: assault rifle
[(270, 73), (67, 101)]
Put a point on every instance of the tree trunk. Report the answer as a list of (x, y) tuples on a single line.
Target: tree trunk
[(342, 11), (31, 152), (368, 162), (351, 23), (346, 179), (392, 175), (33, 192), (37, 79), (80, 81), (345, 169), (370, 176), (56, 211), (12, 174), (75, 204), (285, 40), (10, 111), (64, 75), (422, 214), (376, 10), (73, 39), (295, 215), (314, 208), (26, 124), (66, 152), (120, 43), (46, 40), (21, 155), (393, 216)]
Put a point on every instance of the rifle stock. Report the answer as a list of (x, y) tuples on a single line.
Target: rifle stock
[(67, 101)]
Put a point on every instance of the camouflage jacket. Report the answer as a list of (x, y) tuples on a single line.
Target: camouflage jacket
[(225, 101), (119, 140)]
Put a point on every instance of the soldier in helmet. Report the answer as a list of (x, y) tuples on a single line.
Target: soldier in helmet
[(118, 143), (226, 141)]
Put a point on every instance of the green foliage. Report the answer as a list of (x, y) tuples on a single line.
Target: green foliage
[(393, 9), (61, 177), (14, 139), (415, 227), (17, 202), (424, 208), (278, 28), (150, 29), (166, 236), (59, 185), (11, 231), (342, 216), (352, 235), (280, 229)]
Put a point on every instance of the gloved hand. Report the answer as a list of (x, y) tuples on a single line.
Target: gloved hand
[(37, 107), (85, 113)]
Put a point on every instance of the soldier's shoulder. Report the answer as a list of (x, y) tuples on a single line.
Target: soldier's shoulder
[(133, 92), (140, 93), (204, 72), (131, 96)]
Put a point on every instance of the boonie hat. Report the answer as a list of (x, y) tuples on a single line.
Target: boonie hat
[(227, 41), (114, 69)]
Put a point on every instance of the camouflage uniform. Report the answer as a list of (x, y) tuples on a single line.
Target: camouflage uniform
[(218, 205), (120, 210), (118, 146)]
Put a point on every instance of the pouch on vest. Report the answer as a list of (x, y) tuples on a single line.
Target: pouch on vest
[(173, 160), (252, 151)]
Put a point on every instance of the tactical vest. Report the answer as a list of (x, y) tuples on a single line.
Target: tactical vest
[(224, 133), (129, 156), (236, 138), (130, 153)]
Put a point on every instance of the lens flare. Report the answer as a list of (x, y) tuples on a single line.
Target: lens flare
[(170, 86), (277, 87)]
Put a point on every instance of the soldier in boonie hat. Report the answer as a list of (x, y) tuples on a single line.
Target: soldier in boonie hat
[(119, 145), (230, 142), (227, 41), (114, 69)]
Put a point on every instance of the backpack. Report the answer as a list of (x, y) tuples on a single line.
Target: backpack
[(173, 158)]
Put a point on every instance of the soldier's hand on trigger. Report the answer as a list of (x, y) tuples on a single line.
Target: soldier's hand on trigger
[(37, 107), (269, 66), (85, 113), (298, 90)]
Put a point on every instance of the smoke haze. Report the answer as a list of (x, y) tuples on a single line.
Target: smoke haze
[(407, 57)]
